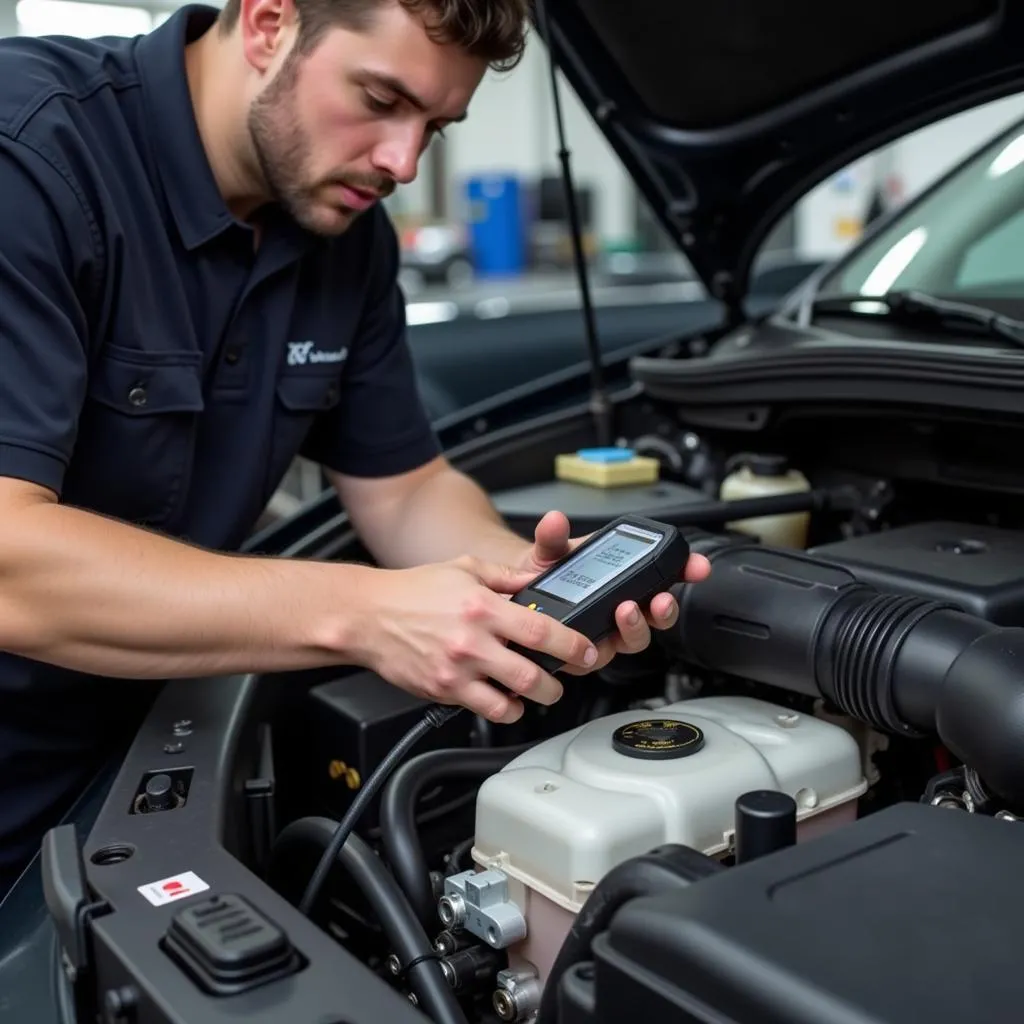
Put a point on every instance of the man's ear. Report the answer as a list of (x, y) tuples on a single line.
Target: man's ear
[(268, 29)]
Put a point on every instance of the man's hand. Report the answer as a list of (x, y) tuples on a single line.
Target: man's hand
[(552, 542), (440, 631)]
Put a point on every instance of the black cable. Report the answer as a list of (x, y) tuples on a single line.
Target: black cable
[(419, 960), (398, 833), (436, 716), (459, 854), (718, 513)]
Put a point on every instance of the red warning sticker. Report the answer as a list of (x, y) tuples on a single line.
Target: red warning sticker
[(177, 887)]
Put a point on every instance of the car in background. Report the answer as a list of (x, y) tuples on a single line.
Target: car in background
[(435, 253)]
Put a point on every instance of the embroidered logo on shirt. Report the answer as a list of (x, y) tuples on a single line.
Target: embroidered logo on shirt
[(302, 352)]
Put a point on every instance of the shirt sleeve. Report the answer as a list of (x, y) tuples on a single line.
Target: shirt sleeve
[(46, 249), (380, 427)]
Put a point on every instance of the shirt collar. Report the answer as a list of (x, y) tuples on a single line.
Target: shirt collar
[(198, 208)]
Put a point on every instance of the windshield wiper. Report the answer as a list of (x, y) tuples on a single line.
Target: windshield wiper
[(919, 309)]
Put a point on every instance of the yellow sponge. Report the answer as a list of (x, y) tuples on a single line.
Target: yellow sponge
[(606, 467)]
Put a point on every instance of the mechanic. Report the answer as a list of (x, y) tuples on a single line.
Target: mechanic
[(199, 283)]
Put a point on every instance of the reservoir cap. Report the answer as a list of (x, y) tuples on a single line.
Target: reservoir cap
[(657, 739)]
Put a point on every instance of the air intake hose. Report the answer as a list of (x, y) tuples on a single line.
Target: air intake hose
[(900, 663)]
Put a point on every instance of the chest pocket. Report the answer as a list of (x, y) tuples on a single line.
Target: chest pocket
[(303, 394), (136, 441)]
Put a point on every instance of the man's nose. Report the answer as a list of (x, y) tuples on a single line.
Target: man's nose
[(399, 154)]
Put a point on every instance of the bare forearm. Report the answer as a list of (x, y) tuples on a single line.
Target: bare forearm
[(97, 595), (447, 516)]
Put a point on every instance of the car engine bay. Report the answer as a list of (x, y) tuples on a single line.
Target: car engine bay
[(688, 831)]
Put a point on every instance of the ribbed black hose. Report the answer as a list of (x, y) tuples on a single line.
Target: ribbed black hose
[(405, 934), (903, 664), (661, 870), (398, 832)]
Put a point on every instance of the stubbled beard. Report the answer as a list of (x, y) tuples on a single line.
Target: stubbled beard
[(283, 153)]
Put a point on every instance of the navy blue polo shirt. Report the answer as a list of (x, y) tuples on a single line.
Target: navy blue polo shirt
[(155, 365)]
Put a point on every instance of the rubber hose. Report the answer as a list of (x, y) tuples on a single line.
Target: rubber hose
[(661, 870), (405, 934), (433, 718), (398, 833)]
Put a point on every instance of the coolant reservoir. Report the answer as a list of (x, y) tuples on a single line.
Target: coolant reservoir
[(761, 476), (561, 816)]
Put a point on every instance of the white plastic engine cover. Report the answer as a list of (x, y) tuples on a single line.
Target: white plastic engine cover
[(562, 815)]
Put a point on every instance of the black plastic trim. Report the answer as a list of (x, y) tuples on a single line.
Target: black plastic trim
[(202, 837), (837, 368)]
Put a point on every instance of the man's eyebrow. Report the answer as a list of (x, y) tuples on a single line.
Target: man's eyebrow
[(397, 86)]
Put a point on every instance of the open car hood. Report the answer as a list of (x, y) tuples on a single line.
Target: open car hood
[(726, 114)]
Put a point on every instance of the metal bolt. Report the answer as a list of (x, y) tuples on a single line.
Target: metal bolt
[(504, 1005), (517, 996), (452, 911), (394, 964), (788, 721), (183, 728)]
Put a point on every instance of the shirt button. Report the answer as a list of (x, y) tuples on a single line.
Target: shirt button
[(137, 396), (332, 395), (232, 355)]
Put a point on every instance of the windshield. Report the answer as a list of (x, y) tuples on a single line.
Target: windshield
[(963, 241)]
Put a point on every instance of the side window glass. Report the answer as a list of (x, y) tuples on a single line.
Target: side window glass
[(996, 258)]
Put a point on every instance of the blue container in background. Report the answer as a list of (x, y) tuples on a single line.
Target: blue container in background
[(496, 230)]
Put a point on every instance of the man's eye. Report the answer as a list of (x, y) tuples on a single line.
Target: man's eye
[(378, 105)]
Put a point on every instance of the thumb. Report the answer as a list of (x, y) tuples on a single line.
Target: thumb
[(551, 538)]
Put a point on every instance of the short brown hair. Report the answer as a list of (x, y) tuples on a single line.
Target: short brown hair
[(493, 30)]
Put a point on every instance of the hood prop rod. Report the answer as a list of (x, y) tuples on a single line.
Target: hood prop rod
[(600, 405)]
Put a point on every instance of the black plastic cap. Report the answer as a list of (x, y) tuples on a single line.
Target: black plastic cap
[(160, 793), (767, 464), (765, 822), (658, 739), (227, 946)]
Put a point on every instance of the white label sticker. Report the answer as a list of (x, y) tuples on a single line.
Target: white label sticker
[(177, 887)]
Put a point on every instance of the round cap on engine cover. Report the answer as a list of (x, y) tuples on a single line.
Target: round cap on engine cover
[(657, 739), (767, 464)]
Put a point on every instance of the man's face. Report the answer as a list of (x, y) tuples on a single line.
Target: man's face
[(336, 130)]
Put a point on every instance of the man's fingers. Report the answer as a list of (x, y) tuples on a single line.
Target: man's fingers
[(662, 612), (606, 650), (542, 633), (491, 703), (697, 568), (634, 630), (524, 677)]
